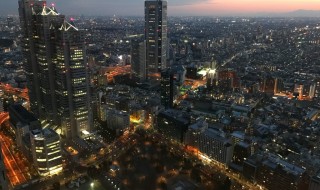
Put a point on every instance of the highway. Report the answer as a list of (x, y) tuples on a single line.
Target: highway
[(16, 165), (118, 70), (8, 89), (4, 116), (15, 174)]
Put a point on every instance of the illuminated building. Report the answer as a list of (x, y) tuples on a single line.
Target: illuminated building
[(72, 85), (312, 91), (55, 66), (46, 151), (194, 130), (37, 21), (228, 78), (167, 88), (156, 35), (210, 142), (305, 90), (138, 56), (278, 85)]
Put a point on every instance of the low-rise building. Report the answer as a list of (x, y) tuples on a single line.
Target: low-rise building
[(210, 142), (173, 124), (117, 120), (274, 173), (22, 121), (46, 151)]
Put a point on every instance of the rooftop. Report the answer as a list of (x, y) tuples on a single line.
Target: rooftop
[(295, 170), (176, 114), (21, 113)]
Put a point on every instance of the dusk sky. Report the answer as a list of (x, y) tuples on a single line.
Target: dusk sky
[(176, 7)]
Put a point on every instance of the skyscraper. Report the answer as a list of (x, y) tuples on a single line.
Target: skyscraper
[(27, 12), (167, 88), (55, 66), (138, 58), (156, 35), (72, 85), (9, 21)]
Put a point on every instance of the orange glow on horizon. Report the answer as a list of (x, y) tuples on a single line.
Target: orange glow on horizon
[(247, 6)]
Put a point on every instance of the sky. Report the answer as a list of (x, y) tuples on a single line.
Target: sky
[(175, 7)]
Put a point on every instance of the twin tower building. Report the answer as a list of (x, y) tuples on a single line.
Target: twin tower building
[(56, 64), (56, 68)]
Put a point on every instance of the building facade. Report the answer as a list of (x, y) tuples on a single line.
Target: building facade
[(156, 35), (117, 120), (173, 124), (72, 85), (167, 88), (55, 67), (274, 173), (46, 151), (210, 142), (22, 122), (138, 59)]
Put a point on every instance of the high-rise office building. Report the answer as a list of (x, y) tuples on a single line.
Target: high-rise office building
[(167, 88), (72, 85), (156, 35), (55, 66), (9, 21), (27, 10), (138, 58)]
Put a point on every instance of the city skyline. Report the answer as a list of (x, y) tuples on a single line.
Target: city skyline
[(176, 8), (190, 102)]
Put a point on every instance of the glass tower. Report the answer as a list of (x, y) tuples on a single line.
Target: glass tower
[(156, 35)]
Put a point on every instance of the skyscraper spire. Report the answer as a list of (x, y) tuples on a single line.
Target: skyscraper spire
[(55, 66)]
